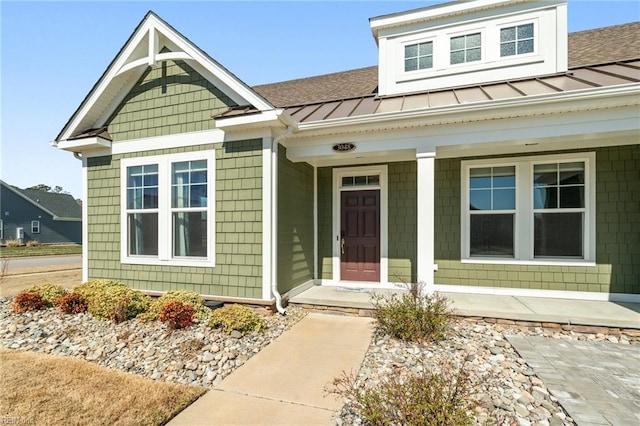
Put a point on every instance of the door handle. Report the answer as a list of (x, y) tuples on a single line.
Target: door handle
[(342, 246)]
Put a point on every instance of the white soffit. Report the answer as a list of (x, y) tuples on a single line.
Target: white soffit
[(142, 50)]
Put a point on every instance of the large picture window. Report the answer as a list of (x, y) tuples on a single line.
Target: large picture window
[(531, 209), (167, 209)]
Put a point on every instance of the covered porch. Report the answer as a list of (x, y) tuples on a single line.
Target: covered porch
[(587, 316)]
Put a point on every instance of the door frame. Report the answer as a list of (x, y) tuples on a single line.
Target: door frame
[(338, 173)]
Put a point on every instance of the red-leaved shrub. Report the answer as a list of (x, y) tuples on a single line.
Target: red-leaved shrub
[(71, 303), (27, 301), (177, 315)]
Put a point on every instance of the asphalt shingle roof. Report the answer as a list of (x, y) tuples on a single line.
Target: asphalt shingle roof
[(62, 205)]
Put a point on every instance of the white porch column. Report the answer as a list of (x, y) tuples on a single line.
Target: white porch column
[(426, 188)]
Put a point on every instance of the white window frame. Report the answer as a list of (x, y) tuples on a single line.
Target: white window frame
[(481, 33), (35, 226), (536, 38), (1, 229), (165, 210), (524, 219), (417, 43)]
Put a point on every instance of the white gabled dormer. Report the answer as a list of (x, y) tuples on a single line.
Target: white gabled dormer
[(463, 43)]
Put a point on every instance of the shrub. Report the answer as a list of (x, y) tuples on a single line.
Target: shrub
[(187, 297), (236, 317), (437, 397), (71, 303), (113, 300), (176, 314), (27, 301), (32, 243), (49, 292), (412, 315), (13, 243)]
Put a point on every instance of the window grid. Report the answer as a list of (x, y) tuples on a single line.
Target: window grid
[(466, 48), (178, 190), (35, 226), (418, 56), (516, 40), (554, 211)]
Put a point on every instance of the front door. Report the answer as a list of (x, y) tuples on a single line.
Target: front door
[(360, 235)]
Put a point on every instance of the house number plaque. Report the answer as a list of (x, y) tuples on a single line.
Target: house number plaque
[(344, 147)]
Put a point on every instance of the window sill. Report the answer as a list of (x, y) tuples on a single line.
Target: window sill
[(559, 262), (199, 263)]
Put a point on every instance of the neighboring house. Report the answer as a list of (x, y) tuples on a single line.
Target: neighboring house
[(488, 152), (32, 215)]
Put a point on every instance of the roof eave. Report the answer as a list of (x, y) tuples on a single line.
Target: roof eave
[(627, 94)]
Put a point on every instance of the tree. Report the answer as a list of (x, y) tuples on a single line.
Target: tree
[(40, 187)]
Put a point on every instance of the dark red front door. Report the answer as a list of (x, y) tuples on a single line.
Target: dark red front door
[(360, 235)]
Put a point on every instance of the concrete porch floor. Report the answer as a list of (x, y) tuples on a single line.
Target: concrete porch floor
[(516, 308)]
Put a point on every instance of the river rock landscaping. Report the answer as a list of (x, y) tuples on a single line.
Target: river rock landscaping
[(506, 388)]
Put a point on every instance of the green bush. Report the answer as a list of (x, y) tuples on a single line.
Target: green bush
[(49, 293), (27, 301), (113, 300), (184, 296), (412, 315), (437, 397), (236, 317)]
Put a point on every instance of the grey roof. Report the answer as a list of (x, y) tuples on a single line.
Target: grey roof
[(61, 205), (597, 46)]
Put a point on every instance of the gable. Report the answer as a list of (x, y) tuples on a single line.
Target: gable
[(170, 97), (153, 44)]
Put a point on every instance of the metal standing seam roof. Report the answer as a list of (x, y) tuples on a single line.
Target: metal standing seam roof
[(580, 78)]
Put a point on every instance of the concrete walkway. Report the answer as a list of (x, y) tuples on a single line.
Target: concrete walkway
[(598, 383), (516, 308), (284, 383)]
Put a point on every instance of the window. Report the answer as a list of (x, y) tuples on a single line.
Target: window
[(531, 209), (35, 226), (492, 204), (418, 56), (466, 48), (516, 40), (360, 180), (168, 209), (558, 209), (1, 230)]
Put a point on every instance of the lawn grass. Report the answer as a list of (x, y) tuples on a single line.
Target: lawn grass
[(44, 389), (43, 250)]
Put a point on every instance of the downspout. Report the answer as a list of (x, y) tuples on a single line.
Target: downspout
[(274, 216)]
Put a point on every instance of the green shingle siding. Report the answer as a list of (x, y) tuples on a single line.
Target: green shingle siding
[(617, 267), (402, 221), (169, 98), (238, 223), (325, 222), (295, 222)]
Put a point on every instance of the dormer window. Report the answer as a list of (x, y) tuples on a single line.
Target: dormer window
[(466, 48), (418, 56), (516, 40)]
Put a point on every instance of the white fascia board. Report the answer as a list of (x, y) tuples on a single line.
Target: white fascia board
[(271, 118), (84, 144), (67, 219), (237, 90), (454, 9), (586, 99)]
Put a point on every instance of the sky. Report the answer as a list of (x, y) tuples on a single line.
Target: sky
[(52, 53)]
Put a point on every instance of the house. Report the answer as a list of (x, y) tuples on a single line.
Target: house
[(33, 215), (488, 152)]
